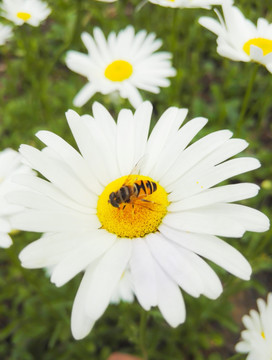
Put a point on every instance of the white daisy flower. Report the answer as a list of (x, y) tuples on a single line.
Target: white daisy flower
[(10, 165), (239, 39), (32, 12), (205, 4), (5, 33), (125, 62), (102, 215), (257, 338)]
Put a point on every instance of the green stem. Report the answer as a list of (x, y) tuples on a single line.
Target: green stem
[(142, 332), (246, 99)]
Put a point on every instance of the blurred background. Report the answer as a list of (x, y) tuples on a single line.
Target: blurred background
[(36, 88)]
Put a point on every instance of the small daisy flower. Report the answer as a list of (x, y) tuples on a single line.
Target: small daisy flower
[(5, 33), (252, 43), (129, 202), (125, 62), (10, 165), (32, 12), (257, 338), (205, 4)]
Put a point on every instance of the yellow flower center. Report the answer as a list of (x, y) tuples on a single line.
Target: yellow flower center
[(264, 44), (135, 210), (118, 70), (23, 16)]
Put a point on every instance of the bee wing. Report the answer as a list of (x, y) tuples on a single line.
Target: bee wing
[(130, 180)]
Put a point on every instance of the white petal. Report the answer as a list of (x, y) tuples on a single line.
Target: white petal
[(143, 274), (106, 276), (52, 248), (48, 190), (142, 118), (81, 257), (54, 220), (59, 174), (71, 157), (197, 182), (212, 248), (226, 193), (5, 240), (195, 153), (165, 128), (125, 141), (170, 299), (78, 62), (81, 324), (175, 264), (85, 94), (176, 146), (205, 221)]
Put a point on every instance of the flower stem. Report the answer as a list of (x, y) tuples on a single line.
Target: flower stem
[(142, 330), (246, 98)]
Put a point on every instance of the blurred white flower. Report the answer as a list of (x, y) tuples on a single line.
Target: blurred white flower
[(257, 338), (206, 4), (239, 39), (124, 62), (104, 216), (5, 33), (10, 165), (32, 12)]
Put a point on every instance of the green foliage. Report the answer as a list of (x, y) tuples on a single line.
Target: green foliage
[(36, 89)]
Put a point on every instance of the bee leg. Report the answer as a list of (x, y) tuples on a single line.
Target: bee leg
[(124, 206)]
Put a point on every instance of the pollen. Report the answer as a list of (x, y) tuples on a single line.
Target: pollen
[(23, 16), (263, 335), (138, 217), (264, 44), (118, 70)]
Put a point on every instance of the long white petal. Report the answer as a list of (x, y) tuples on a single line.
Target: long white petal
[(106, 276), (81, 324), (170, 299), (81, 257), (143, 274)]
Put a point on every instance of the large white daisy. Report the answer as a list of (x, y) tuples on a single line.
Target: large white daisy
[(32, 12), (10, 165), (257, 338), (125, 62), (206, 4), (5, 33), (158, 226), (239, 39)]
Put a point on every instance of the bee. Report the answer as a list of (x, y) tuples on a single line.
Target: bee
[(132, 192)]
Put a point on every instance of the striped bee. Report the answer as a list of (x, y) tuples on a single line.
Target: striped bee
[(131, 192)]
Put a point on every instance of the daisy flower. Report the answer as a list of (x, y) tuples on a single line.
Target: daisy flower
[(5, 33), (257, 338), (10, 165), (253, 43), (205, 4), (32, 12), (125, 62), (129, 202)]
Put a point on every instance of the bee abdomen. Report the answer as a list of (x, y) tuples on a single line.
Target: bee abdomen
[(148, 187)]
